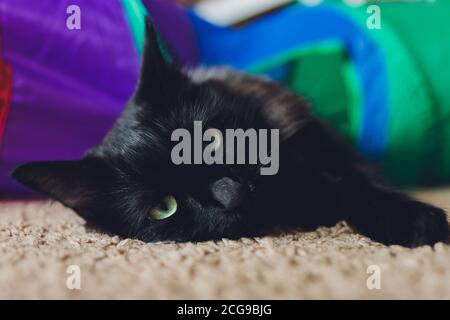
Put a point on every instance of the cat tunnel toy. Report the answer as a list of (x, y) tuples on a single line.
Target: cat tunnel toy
[(68, 86), (387, 90), (61, 90)]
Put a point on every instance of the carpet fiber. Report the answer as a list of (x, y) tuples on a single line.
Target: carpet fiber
[(40, 240)]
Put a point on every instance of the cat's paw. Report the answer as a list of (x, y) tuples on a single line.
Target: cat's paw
[(408, 223), (424, 225)]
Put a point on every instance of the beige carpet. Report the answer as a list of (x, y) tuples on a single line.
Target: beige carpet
[(39, 240)]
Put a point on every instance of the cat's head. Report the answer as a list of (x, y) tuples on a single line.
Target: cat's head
[(128, 185)]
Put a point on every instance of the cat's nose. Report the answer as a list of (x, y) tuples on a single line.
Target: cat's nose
[(229, 193)]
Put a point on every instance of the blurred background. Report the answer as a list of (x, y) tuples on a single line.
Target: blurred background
[(377, 71)]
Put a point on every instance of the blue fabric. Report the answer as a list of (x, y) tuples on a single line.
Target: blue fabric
[(297, 26)]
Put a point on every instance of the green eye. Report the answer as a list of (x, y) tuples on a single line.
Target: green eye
[(165, 209), (217, 143)]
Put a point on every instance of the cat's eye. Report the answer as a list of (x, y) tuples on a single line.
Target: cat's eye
[(217, 135), (165, 209)]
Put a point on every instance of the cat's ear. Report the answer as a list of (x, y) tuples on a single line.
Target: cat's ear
[(159, 75), (74, 183)]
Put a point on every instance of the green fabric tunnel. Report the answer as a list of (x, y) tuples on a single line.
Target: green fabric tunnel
[(414, 41)]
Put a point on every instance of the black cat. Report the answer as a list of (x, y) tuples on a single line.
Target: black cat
[(129, 186)]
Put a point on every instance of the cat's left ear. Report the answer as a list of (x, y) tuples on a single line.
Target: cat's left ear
[(160, 75), (76, 184)]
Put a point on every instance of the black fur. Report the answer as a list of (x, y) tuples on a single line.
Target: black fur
[(320, 181)]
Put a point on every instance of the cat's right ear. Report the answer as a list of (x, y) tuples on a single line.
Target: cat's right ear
[(77, 184), (159, 76)]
